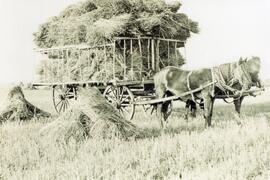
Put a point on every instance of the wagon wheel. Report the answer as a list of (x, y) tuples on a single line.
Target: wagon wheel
[(122, 98), (61, 97), (149, 108)]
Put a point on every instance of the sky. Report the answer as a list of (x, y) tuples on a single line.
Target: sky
[(229, 29)]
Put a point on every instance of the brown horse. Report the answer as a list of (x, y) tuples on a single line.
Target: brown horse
[(230, 78)]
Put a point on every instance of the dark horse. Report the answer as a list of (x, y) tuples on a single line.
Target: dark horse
[(230, 78)]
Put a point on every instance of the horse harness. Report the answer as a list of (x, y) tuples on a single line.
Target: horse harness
[(219, 81)]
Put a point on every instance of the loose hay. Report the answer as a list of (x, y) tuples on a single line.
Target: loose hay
[(95, 22), (18, 108), (90, 117)]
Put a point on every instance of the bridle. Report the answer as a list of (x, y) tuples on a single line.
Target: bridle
[(244, 73)]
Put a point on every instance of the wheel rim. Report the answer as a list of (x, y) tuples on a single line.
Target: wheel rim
[(62, 96), (123, 99)]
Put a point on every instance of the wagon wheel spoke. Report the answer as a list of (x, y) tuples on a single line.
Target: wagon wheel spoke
[(121, 98), (67, 103), (61, 107), (58, 103), (64, 106), (114, 93), (70, 96), (111, 98), (126, 98), (61, 97)]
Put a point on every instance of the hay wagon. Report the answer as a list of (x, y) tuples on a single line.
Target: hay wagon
[(124, 68)]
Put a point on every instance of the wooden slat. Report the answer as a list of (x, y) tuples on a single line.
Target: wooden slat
[(71, 47), (162, 39), (85, 47)]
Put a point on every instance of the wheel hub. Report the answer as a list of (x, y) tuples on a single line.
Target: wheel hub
[(62, 97), (118, 106)]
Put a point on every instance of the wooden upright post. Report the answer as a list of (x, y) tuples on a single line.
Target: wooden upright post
[(125, 60), (63, 65), (175, 49), (114, 48), (168, 50), (58, 64), (131, 55), (45, 68), (148, 55), (140, 48), (79, 65), (105, 60), (67, 65), (153, 54)]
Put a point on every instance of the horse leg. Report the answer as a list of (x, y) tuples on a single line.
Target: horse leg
[(191, 109), (237, 105), (208, 107), (160, 92), (187, 109), (165, 110)]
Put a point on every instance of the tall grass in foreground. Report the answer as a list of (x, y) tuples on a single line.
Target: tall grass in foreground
[(187, 151)]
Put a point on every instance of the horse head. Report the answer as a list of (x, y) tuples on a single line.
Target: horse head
[(253, 67), (247, 72)]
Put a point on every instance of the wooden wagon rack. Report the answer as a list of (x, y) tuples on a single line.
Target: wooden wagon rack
[(119, 87)]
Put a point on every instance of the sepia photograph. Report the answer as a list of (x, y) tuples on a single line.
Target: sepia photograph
[(135, 90)]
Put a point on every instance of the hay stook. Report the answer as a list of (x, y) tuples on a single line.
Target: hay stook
[(17, 108), (91, 116)]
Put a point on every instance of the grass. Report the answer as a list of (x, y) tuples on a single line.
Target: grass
[(184, 150)]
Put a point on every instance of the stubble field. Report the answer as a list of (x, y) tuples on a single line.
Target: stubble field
[(184, 150)]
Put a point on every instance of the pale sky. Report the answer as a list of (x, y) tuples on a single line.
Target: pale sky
[(229, 29)]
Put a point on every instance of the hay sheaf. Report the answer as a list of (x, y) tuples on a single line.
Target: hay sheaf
[(90, 117), (18, 108), (74, 25)]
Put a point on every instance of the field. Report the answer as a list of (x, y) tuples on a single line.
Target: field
[(183, 151)]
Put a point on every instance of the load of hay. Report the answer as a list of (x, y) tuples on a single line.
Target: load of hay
[(17, 108), (90, 117), (95, 22)]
